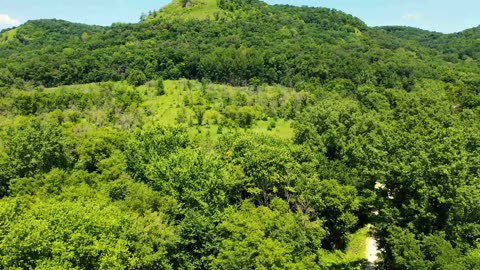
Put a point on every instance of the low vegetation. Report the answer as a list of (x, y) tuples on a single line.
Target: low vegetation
[(251, 138)]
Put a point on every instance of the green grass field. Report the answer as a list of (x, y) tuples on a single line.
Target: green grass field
[(357, 247), (8, 36), (354, 256), (199, 10), (165, 109)]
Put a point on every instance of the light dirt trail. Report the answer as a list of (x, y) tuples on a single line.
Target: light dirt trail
[(372, 244), (372, 250)]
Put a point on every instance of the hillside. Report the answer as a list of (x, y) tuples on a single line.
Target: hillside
[(460, 45), (42, 32), (259, 31), (191, 9), (233, 134)]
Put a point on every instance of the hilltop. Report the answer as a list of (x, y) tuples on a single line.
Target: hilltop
[(190, 9), (205, 9)]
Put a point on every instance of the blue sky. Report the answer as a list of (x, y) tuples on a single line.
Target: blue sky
[(438, 15)]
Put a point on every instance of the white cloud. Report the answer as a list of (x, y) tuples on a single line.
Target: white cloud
[(410, 16), (6, 20)]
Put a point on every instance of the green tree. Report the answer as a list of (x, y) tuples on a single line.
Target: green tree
[(6, 77), (404, 251), (333, 203), (160, 91), (33, 147), (136, 77), (267, 238), (81, 235)]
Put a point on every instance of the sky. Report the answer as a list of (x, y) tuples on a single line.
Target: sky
[(445, 16)]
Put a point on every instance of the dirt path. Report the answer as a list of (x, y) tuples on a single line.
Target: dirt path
[(372, 250)]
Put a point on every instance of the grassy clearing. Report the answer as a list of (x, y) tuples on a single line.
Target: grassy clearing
[(8, 36), (182, 96), (354, 256), (165, 110), (282, 129), (357, 246), (199, 10)]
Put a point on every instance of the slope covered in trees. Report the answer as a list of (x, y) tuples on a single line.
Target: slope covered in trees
[(237, 135)]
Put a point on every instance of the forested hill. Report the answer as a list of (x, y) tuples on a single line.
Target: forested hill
[(46, 32), (462, 45), (174, 47), (276, 44), (232, 134)]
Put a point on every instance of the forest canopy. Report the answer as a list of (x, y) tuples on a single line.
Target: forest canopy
[(238, 135)]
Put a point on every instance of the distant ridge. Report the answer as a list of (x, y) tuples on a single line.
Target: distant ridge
[(38, 31)]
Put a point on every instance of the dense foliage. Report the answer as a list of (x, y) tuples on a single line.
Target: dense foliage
[(263, 137)]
